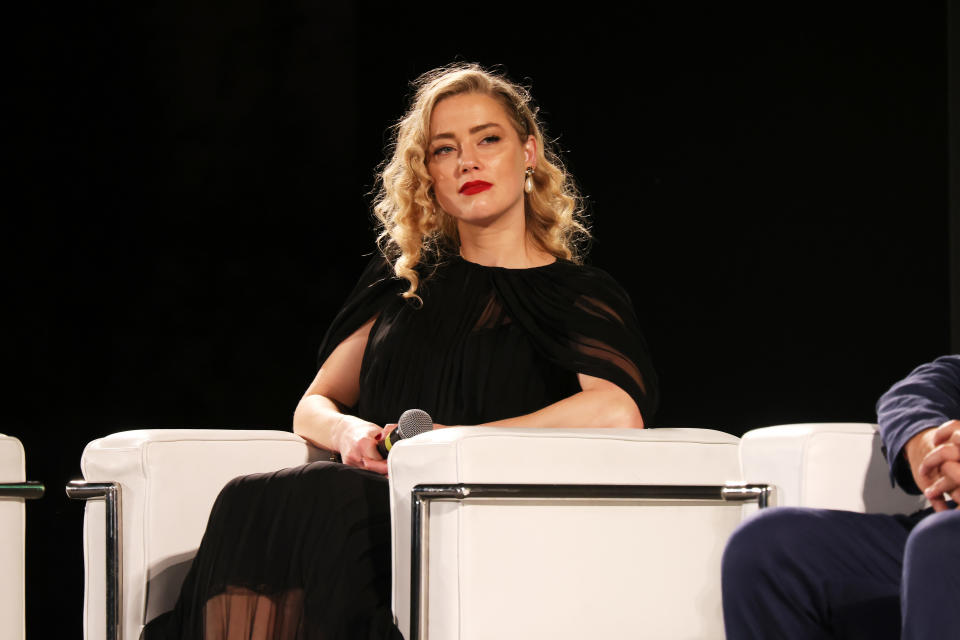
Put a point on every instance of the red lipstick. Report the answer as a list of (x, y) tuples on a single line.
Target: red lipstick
[(474, 186)]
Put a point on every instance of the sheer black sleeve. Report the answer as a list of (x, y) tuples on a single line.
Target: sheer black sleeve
[(583, 321), (376, 288)]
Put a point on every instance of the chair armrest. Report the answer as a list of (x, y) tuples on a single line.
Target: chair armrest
[(12, 520), (169, 479), (580, 568), (824, 465)]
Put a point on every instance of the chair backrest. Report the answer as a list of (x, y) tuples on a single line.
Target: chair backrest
[(826, 465), (170, 479), (601, 569), (12, 522)]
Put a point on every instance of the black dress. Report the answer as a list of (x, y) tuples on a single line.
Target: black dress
[(305, 553)]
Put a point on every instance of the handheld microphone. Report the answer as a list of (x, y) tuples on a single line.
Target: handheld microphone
[(413, 422)]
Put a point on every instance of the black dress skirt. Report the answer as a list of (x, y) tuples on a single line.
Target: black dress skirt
[(304, 553), (301, 553)]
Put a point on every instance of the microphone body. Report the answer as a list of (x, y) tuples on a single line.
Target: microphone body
[(412, 422)]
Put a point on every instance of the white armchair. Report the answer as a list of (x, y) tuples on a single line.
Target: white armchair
[(633, 550), (149, 496), (835, 465), (13, 491), (563, 533)]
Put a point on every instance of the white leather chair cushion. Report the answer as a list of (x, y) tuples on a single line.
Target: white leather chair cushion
[(169, 479), (12, 520), (574, 570), (824, 465)]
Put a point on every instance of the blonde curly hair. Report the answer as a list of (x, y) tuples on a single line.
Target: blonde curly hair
[(411, 223)]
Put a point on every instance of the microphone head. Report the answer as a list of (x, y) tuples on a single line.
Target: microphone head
[(413, 422)]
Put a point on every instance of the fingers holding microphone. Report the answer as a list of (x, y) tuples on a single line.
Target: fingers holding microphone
[(367, 446), (371, 459), (358, 446), (412, 423)]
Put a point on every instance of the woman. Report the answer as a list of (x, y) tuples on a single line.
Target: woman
[(477, 312)]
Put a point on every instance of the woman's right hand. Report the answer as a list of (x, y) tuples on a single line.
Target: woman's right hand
[(320, 417), (357, 442)]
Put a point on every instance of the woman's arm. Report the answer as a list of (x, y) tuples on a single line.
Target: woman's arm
[(319, 416), (600, 404)]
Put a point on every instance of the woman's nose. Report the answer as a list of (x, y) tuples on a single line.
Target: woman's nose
[(468, 161)]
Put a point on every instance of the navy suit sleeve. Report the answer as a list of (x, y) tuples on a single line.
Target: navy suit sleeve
[(926, 398)]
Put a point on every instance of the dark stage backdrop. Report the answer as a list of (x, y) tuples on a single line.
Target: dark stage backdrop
[(189, 206)]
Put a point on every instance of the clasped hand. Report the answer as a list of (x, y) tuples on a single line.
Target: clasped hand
[(940, 467)]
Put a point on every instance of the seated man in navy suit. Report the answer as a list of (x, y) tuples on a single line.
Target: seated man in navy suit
[(815, 573)]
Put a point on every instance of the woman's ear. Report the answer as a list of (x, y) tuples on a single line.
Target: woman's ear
[(530, 152)]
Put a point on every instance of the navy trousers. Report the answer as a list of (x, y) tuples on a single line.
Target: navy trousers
[(796, 573)]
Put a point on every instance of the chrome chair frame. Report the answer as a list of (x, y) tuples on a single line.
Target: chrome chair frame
[(110, 493), (29, 490)]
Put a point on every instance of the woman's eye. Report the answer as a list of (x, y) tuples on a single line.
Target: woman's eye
[(440, 151), (490, 139)]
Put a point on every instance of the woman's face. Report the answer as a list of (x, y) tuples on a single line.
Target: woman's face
[(477, 161)]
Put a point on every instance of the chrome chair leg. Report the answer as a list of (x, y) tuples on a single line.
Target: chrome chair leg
[(110, 493)]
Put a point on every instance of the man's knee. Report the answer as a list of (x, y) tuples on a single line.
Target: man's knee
[(935, 541), (763, 542)]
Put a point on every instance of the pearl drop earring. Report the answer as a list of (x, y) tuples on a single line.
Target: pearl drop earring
[(528, 183)]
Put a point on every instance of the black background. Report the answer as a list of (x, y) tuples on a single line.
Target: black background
[(188, 206)]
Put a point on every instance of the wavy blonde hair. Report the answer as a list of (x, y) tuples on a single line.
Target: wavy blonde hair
[(411, 223)]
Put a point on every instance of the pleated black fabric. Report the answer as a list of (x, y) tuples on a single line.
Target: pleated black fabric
[(489, 343), (301, 553), (304, 553)]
